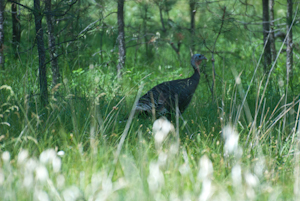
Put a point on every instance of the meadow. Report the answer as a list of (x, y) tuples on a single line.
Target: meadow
[(240, 142), (83, 149)]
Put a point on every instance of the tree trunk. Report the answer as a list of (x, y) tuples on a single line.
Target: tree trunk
[(146, 41), (16, 28), (121, 37), (52, 46), (289, 55), (41, 51), (101, 44), (192, 29), (272, 34), (162, 19), (2, 5), (289, 42), (266, 29)]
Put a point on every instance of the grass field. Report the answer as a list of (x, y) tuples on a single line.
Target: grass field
[(240, 142), (83, 149)]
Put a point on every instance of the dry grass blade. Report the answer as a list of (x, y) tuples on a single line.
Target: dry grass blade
[(125, 132), (280, 116)]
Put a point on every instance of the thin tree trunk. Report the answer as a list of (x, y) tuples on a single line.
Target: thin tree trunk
[(52, 46), (137, 45), (145, 17), (162, 20), (16, 28), (289, 42), (121, 37), (41, 51), (101, 44), (266, 29), (272, 34), (289, 55), (2, 5), (192, 29)]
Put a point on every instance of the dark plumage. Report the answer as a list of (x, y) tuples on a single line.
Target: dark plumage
[(163, 96)]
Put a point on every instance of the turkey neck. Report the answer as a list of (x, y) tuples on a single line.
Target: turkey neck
[(196, 76)]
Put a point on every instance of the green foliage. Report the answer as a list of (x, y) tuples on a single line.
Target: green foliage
[(88, 112)]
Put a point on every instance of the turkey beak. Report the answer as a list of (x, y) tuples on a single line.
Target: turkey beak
[(203, 58)]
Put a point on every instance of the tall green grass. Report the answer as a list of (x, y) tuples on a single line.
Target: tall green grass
[(73, 149), (87, 145)]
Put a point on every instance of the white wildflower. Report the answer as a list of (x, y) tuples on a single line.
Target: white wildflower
[(174, 148), (162, 124), (107, 185), (236, 175), (96, 181), (162, 159), (222, 195), (206, 191), (161, 128), (47, 156), (61, 153), (56, 163), (28, 180), (30, 165), (156, 178), (6, 156), (205, 168), (22, 157), (41, 173), (41, 195), (174, 196), (184, 169), (71, 194), (159, 138), (259, 167), (251, 179), (231, 138)]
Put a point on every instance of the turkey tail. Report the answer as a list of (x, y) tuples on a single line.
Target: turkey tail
[(152, 103), (146, 108)]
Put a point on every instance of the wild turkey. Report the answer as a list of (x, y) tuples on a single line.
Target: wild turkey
[(163, 96)]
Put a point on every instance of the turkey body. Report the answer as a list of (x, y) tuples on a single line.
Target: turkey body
[(163, 97)]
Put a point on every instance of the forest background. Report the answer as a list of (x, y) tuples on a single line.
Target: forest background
[(71, 71)]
